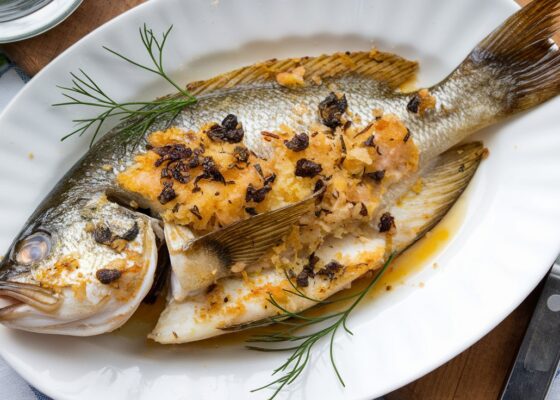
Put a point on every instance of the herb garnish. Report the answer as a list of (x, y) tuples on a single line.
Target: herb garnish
[(301, 352), (136, 117)]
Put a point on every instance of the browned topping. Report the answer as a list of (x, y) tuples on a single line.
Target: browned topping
[(370, 141), (241, 154), (386, 222), (270, 135), (168, 193), (330, 269), (226, 299), (106, 275), (269, 180), (307, 272), (194, 162), (230, 130), (462, 168), (319, 185), (103, 235), (407, 136), (259, 170), (132, 233), (251, 210), (307, 168), (172, 152), (298, 143), (211, 288), (367, 128), (414, 104), (421, 102), (363, 210), (377, 176), (210, 172), (178, 171), (256, 195), (331, 110), (196, 212)]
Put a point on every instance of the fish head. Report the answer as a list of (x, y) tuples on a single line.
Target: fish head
[(78, 269)]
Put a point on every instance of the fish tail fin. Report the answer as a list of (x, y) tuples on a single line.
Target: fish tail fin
[(524, 55)]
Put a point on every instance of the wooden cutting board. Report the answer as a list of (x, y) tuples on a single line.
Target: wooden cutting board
[(478, 373)]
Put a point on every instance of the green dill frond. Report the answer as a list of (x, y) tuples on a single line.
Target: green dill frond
[(135, 117), (301, 345)]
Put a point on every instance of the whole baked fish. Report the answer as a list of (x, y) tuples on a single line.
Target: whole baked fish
[(276, 164)]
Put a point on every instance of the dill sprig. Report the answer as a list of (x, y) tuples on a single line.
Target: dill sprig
[(292, 368), (135, 117)]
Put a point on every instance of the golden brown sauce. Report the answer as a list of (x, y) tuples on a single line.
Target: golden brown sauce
[(417, 257)]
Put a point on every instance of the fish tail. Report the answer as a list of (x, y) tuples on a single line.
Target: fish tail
[(523, 55)]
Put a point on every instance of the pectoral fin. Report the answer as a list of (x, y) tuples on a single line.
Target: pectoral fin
[(197, 263)]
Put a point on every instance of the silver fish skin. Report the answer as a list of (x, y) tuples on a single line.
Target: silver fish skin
[(514, 69)]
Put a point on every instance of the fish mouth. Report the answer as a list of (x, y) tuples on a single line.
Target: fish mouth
[(19, 293)]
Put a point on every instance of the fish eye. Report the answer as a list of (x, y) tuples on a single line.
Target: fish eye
[(33, 248)]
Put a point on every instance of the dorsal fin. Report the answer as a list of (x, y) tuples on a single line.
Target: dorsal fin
[(384, 67)]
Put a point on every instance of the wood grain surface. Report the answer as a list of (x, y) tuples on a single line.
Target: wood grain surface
[(478, 373), (33, 54)]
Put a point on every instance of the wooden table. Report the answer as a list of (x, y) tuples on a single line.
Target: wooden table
[(477, 373)]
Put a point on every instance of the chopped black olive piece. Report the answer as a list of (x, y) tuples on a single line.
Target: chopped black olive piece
[(106, 275), (363, 210), (241, 154), (307, 272), (256, 195), (230, 122), (210, 172), (377, 176), (179, 172), (167, 194), (216, 132), (172, 152), (319, 185), (330, 269), (251, 210), (194, 209), (269, 180), (407, 136), (307, 168), (299, 142), (370, 141), (194, 162), (103, 235), (342, 144), (176, 170), (259, 170), (132, 233), (302, 279), (386, 222), (267, 134), (229, 131), (414, 104), (331, 110)]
